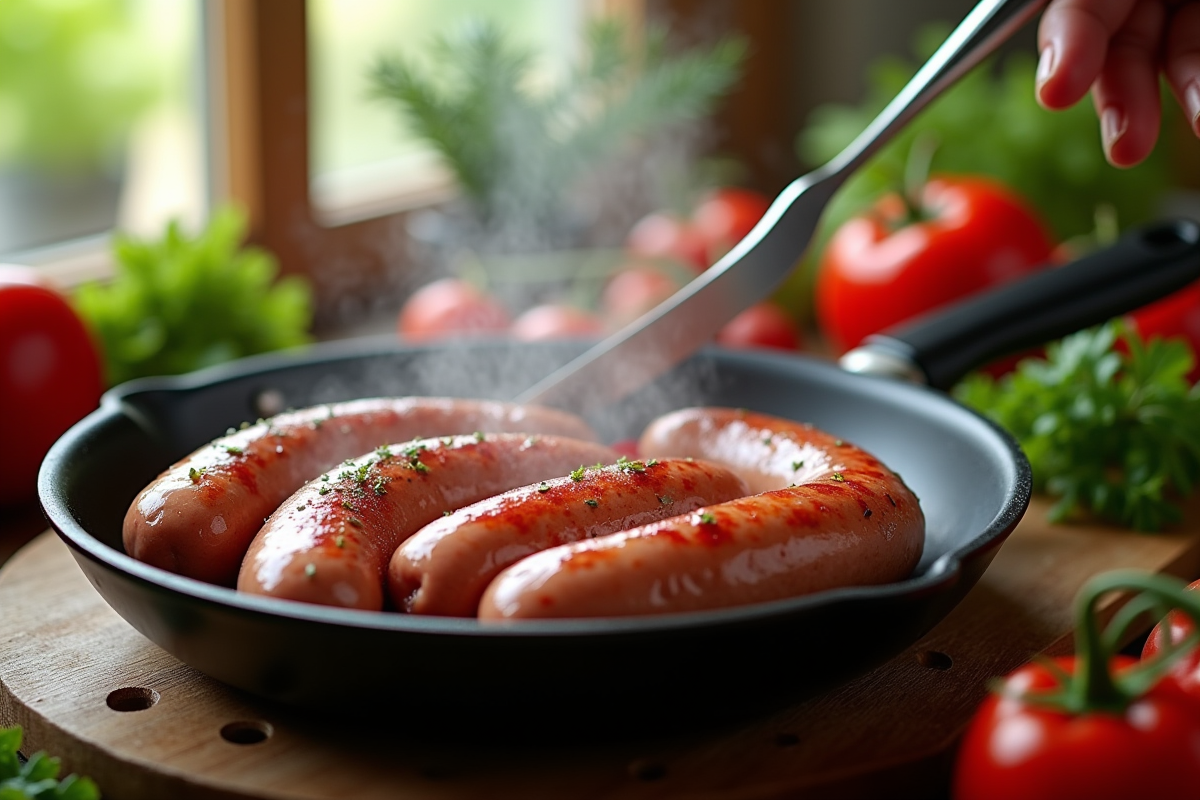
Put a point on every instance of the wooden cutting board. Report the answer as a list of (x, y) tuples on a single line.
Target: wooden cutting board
[(90, 689)]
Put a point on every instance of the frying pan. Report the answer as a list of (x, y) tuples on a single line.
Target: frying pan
[(973, 482)]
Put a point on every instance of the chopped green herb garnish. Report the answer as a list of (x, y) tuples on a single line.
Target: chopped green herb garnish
[(340, 541), (383, 452), (706, 518), (591, 502), (530, 441), (380, 486), (478, 436), (543, 488), (323, 490), (767, 439), (346, 504), (360, 474), (577, 475), (652, 462), (626, 465), (837, 476), (797, 464), (355, 521), (414, 450), (302, 506), (232, 450), (196, 474), (838, 443), (666, 500), (418, 466)]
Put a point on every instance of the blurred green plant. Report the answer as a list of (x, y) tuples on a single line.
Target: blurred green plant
[(517, 149), (72, 80), (37, 778), (988, 123), (183, 303)]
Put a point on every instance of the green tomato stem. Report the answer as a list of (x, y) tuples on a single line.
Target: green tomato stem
[(1094, 685)]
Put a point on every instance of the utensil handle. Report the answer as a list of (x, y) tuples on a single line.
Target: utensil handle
[(941, 347), (989, 24)]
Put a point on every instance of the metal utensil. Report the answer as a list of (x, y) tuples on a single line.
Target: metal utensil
[(686, 321)]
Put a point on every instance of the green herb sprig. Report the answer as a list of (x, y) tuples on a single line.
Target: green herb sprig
[(1110, 424), (37, 778), (182, 302)]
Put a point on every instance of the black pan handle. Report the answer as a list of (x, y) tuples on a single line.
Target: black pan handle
[(941, 347)]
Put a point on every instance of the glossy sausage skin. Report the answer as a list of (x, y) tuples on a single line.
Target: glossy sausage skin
[(445, 567), (848, 521), (198, 517), (329, 543)]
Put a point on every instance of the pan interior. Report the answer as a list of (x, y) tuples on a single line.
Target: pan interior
[(965, 472)]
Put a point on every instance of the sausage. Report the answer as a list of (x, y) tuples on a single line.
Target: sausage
[(828, 515), (444, 567), (198, 517), (329, 543)]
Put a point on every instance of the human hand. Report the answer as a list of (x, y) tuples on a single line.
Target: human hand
[(1117, 48)]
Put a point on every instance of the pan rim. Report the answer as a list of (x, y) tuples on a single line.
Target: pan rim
[(946, 569)]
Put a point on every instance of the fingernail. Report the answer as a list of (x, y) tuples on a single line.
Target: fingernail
[(1047, 62), (1112, 126), (1191, 104)]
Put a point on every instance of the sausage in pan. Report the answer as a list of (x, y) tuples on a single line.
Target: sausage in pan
[(444, 568), (329, 543), (828, 515), (198, 517)]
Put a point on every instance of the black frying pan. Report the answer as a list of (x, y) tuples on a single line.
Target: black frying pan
[(972, 479)]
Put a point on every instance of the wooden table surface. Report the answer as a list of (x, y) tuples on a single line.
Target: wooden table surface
[(89, 688)]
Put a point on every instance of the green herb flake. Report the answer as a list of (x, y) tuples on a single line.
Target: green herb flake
[(346, 504), (323, 490), (706, 518), (356, 522), (591, 502), (418, 466), (652, 463), (479, 437), (577, 475), (302, 506), (837, 476), (666, 500), (340, 542), (232, 450), (838, 443), (380, 486), (796, 465), (625, 465), (543, 488), (383, 452), (196, 474)]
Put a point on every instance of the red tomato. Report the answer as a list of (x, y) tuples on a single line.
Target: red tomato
[(1174, 316), (634, 291), (726, 215), (664, 235), (51, 376), (450, 307), (762, 325), (1017, 748), (1187, 669), (552, 321), (879, 269)]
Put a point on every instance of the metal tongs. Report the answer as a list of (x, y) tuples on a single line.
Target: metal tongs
[(685, 322)]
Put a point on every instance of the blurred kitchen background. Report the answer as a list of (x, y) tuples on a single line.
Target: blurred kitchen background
[(122, 115)]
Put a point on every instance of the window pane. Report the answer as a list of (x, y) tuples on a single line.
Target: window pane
[(98, 119), (360, 147)]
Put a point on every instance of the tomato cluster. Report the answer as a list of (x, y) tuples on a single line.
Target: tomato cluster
[(1097, 725), (663, 250)]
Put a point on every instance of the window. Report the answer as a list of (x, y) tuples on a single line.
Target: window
[(100, 125)]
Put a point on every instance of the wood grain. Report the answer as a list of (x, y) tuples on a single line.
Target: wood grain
[(892, 731)]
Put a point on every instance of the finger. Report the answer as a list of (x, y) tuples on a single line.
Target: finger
[(1073, 38), (1181, 61), (1126, 93)]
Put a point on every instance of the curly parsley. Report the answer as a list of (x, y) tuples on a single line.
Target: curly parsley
[(1110, 432), (37, 778)]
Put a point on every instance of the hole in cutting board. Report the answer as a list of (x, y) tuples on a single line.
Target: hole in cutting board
[(247, 732), (932, 659), (131, 698)]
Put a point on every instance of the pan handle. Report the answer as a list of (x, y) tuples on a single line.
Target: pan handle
[(941, 347)]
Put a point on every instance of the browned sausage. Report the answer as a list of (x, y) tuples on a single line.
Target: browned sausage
[(329, 543), (198, 517), (848, 520), (444, 567)]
